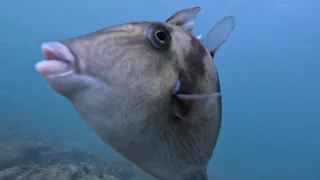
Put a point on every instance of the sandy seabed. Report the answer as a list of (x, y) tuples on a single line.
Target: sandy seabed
[(23, 158)]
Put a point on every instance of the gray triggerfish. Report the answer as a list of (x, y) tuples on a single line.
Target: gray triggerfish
[(150, 90)]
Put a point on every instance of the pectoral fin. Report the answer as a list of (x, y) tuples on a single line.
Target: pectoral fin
[(194, 97), (188, 99), (213, 97)]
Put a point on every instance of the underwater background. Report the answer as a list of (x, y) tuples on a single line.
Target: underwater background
[(269, 70)]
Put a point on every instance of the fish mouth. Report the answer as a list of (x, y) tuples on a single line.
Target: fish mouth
[(59, 60)]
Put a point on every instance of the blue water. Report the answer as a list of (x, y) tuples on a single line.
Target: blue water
[(269, 70)]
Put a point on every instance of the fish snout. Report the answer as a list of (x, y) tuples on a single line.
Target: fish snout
[(59, 60), (61, 70)]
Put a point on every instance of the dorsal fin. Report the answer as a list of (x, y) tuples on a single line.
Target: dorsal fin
[(218, 34), (185, 18)]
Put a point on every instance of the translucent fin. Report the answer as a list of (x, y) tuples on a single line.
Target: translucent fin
[(191, 98), (185, 18), (196, 97), (218, 34)]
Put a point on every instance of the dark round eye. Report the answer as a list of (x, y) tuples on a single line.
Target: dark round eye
[(160, 37)]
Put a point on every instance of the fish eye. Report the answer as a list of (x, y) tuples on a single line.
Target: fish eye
[(160, 37)]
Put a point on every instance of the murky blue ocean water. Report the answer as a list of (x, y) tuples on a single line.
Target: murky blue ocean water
[(269, 70)]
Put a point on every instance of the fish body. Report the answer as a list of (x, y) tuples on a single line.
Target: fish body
[(150, 90)]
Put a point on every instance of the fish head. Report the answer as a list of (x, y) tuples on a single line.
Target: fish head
[(127, 56), (115, 68), (147, 55)]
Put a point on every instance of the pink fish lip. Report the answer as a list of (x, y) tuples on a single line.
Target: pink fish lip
[(59, 60), (57, 51)]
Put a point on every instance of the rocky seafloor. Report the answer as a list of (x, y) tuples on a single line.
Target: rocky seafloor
[(23, 158)]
